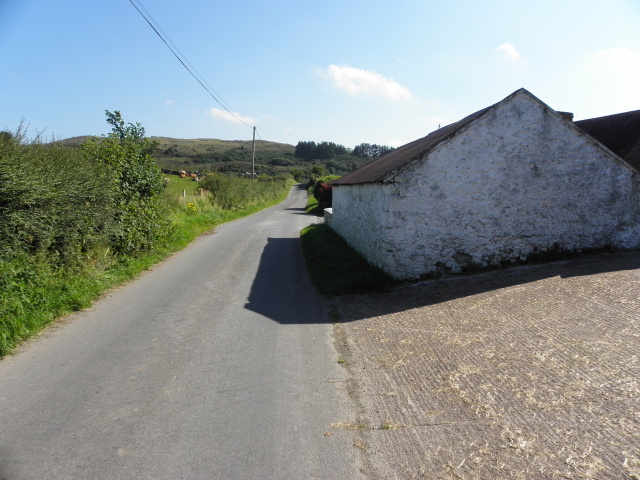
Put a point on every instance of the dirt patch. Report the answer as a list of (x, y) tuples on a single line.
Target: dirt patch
[(525, 373)]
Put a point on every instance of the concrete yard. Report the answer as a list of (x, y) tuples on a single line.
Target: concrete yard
[(528, 372)]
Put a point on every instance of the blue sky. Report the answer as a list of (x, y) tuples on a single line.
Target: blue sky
[(348, 71)]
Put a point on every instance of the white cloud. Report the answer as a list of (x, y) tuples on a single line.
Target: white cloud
[(168, 103), (356, 81), (395, 142), (228, 117), (510, 51)]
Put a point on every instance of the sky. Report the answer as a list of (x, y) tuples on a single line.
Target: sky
[(343, 71)]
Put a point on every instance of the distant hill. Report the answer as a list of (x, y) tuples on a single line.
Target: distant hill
[(234, 156), (210, 154), (73, 140), (223, 155)]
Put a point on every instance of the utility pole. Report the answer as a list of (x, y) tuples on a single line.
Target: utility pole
[(253, 158)]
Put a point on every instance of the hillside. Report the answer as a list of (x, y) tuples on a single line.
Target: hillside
[(234, 156), (209, 154)]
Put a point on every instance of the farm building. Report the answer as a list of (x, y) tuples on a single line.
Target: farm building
[(504, 184)]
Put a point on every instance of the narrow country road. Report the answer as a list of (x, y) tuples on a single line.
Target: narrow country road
[(219, 363)]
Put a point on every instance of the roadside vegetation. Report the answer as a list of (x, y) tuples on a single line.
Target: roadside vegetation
[(78, 220), (337, 269), (319, 193)]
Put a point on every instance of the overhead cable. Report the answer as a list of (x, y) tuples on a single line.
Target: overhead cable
[(181, 58)]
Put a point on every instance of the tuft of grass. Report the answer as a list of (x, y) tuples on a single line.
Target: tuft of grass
[(337, 269)]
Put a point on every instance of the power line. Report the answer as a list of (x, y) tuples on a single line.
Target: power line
[(182, 55), (182, 58)]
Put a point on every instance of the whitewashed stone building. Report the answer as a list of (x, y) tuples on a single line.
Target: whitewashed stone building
[(511, 181)]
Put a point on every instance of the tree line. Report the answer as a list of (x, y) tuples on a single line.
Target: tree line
[(310, 151)]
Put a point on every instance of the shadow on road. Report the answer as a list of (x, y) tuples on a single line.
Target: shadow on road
[(300, 211), (446, 289), (282, 290)]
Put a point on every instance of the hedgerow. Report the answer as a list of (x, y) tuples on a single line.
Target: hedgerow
[(52, 199), (66, 213)]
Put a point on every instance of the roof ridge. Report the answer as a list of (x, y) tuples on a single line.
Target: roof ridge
[(382, 168)]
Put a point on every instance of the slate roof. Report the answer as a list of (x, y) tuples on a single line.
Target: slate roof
[(620, 133), (380, 169)]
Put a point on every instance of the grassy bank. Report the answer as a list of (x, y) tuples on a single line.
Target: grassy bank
[(335, 268)]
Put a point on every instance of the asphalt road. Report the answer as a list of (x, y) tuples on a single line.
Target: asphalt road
[(218, 363)]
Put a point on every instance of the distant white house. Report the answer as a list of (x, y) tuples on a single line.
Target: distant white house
[(511, 181)]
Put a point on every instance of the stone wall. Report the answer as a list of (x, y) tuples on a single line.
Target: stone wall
[(359, 215), (515, 183)]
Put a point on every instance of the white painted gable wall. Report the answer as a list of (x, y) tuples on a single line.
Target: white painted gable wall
[(516, 181)]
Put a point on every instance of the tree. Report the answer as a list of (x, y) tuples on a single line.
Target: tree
[(298, 174), (318, 170), (369, 150), (321, 151), (305, 150), (137, 181)]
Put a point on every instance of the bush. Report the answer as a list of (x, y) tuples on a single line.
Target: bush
[(63, 201), (298, 174), (140, 219), (52, 200), (320, 188)]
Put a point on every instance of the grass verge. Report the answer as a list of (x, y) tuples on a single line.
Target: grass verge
[(313, 207), (337, 269)]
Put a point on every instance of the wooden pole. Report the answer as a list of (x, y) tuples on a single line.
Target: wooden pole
[(253, 158)]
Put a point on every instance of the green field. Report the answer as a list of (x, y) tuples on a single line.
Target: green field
[(181, 186)]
